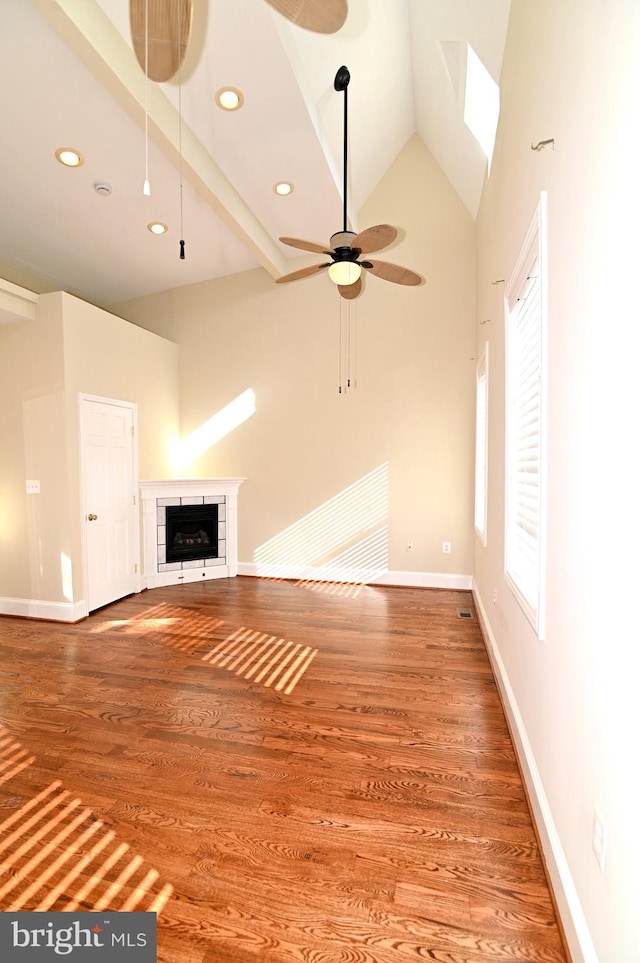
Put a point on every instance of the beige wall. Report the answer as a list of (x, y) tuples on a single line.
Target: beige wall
[(108, 357), (72, 347), (34, 529), (572, 72), (411, 408)]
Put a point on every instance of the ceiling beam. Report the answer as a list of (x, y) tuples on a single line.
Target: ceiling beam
[(91, 35)]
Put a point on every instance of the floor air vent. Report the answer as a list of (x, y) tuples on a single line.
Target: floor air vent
[(465, 613)]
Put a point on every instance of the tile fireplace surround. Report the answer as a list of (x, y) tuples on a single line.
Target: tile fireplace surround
[(156, 495)]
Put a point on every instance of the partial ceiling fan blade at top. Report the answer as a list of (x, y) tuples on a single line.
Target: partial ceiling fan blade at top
[(375, 238), (320, 16), (350, 291), (302, 273), (160, 39), (393, 272), (305, 245)]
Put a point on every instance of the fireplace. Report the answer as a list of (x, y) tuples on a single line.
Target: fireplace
[(190, 529), (191, 532)]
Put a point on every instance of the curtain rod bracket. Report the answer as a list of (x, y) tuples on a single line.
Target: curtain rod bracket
[(544, 143)]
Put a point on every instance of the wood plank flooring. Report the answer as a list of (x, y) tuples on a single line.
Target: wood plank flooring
[(288, 773)]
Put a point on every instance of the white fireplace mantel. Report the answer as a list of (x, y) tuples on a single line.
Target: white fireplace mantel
[(155, 496)]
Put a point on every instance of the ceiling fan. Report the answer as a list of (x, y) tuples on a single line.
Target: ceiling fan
[(160, 29), (345, 248)]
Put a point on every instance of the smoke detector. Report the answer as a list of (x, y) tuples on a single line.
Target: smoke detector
[(101, 187)]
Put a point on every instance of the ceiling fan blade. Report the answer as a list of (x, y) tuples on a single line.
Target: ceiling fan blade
[(161, 41), (393, 272), (375, 238), (304, 245), (350, 291), (302, 273), (321, 16)]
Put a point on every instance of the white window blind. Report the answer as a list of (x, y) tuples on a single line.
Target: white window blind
[(482, 412), (525, 427)]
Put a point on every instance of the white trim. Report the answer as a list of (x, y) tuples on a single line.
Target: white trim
[(568, 902), (533, 253), (162, 579), (16, 303), (482, 376), (154, 489), (310, 573), (48, 611)]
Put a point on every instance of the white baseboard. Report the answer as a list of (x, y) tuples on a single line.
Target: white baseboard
[(49, 611), (443, 580), (572, 917), (310, 573)]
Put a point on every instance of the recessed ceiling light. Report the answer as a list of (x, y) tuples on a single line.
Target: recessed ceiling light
[(229, 98), (283, 188), (69, 157), (157, 227)]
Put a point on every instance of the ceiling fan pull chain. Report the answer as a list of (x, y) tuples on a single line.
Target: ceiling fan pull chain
[(348, 339), (146, 187)]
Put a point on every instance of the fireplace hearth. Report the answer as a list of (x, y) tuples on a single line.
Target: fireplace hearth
[(190, 529)]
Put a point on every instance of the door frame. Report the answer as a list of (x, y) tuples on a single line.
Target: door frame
[(132, 405)]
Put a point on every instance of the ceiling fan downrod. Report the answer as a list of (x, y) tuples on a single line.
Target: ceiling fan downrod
[(342, 249), (341, 82)]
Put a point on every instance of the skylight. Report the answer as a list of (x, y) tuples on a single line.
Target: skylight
[(481, 103)]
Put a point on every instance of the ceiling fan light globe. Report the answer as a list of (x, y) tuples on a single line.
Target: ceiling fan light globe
[(344, 272)]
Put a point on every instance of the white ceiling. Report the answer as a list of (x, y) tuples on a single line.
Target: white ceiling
[(69, 77)]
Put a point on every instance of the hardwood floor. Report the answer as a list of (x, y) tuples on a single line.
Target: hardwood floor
[(289, 773)]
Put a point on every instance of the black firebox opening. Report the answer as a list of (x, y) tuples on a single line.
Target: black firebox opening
[(192, 532)]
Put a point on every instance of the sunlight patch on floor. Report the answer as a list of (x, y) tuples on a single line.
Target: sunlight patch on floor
[(263, 659), (181, 628), (52, 844), (13, 758)]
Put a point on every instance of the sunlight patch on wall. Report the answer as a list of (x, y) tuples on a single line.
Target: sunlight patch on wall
[(67, 577), (367, 558), (343, 540), (184, 452)]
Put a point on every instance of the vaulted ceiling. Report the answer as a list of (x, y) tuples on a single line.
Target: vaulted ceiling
[(69, 78)]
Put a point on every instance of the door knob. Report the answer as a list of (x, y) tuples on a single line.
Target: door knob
[(91, 517)]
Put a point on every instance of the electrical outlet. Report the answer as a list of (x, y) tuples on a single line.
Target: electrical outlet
[(495, 597), (409, 546), (599, 838), (446, 548), (33, 487)]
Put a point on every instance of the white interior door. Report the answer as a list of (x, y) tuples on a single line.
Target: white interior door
[(109, 499)]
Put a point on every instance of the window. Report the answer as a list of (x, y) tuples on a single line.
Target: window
[(525, 358), (482, 436), (481, 103)]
